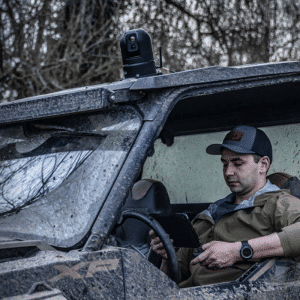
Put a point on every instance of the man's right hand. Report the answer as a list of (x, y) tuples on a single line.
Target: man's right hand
[(156, 245)]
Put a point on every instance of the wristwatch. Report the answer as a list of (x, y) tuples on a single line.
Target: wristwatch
[(246, 251)]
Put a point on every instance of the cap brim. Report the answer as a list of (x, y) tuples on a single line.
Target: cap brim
[(216, 149)]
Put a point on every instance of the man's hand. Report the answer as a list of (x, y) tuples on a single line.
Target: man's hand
[(218, 255), (156, 245)]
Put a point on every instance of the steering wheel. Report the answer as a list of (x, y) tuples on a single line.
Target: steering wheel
[(160, 232)]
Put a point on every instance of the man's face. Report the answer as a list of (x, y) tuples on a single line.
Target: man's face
[(240, 171)]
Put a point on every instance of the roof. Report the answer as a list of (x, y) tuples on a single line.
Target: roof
[(97, 97)]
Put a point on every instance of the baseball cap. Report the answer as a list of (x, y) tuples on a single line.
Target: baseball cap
[(244, 139)]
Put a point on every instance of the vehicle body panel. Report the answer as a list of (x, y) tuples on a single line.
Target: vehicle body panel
[(185, 103)]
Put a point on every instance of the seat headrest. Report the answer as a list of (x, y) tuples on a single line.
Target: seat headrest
[(140, 188), (279, 178), (149, 195)]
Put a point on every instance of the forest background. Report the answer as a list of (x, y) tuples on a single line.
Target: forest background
[(52, 45)]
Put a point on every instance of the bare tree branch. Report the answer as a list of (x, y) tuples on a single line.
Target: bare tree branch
[(57, 44)]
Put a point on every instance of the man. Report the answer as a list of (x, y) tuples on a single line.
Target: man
[(257, 220)]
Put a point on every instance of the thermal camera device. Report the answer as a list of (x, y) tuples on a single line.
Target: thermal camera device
[(137, 54)]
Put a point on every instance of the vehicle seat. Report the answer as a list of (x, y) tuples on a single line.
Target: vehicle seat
[(149, 196), (286, 181)]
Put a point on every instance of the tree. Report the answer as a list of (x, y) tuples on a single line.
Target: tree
[(51, 45), (197, 34)]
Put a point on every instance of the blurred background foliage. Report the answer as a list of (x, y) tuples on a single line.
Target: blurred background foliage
[(51, 45)]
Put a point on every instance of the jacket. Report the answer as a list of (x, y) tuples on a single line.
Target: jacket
[(276, 211)]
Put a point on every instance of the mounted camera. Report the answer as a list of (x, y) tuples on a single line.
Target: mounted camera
[(137, 54)]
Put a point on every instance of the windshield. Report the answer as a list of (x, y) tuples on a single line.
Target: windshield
[(55, 174)]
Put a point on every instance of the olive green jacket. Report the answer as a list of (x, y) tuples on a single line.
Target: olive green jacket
[(273, 212)]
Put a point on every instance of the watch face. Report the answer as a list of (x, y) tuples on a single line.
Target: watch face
[(247, 253)]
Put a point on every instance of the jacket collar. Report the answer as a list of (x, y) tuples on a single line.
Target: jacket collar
[(222, 207)]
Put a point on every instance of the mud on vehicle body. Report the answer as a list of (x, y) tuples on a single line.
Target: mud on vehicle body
[(70, 225)]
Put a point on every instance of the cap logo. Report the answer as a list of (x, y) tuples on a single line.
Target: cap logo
[(234, 136)]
